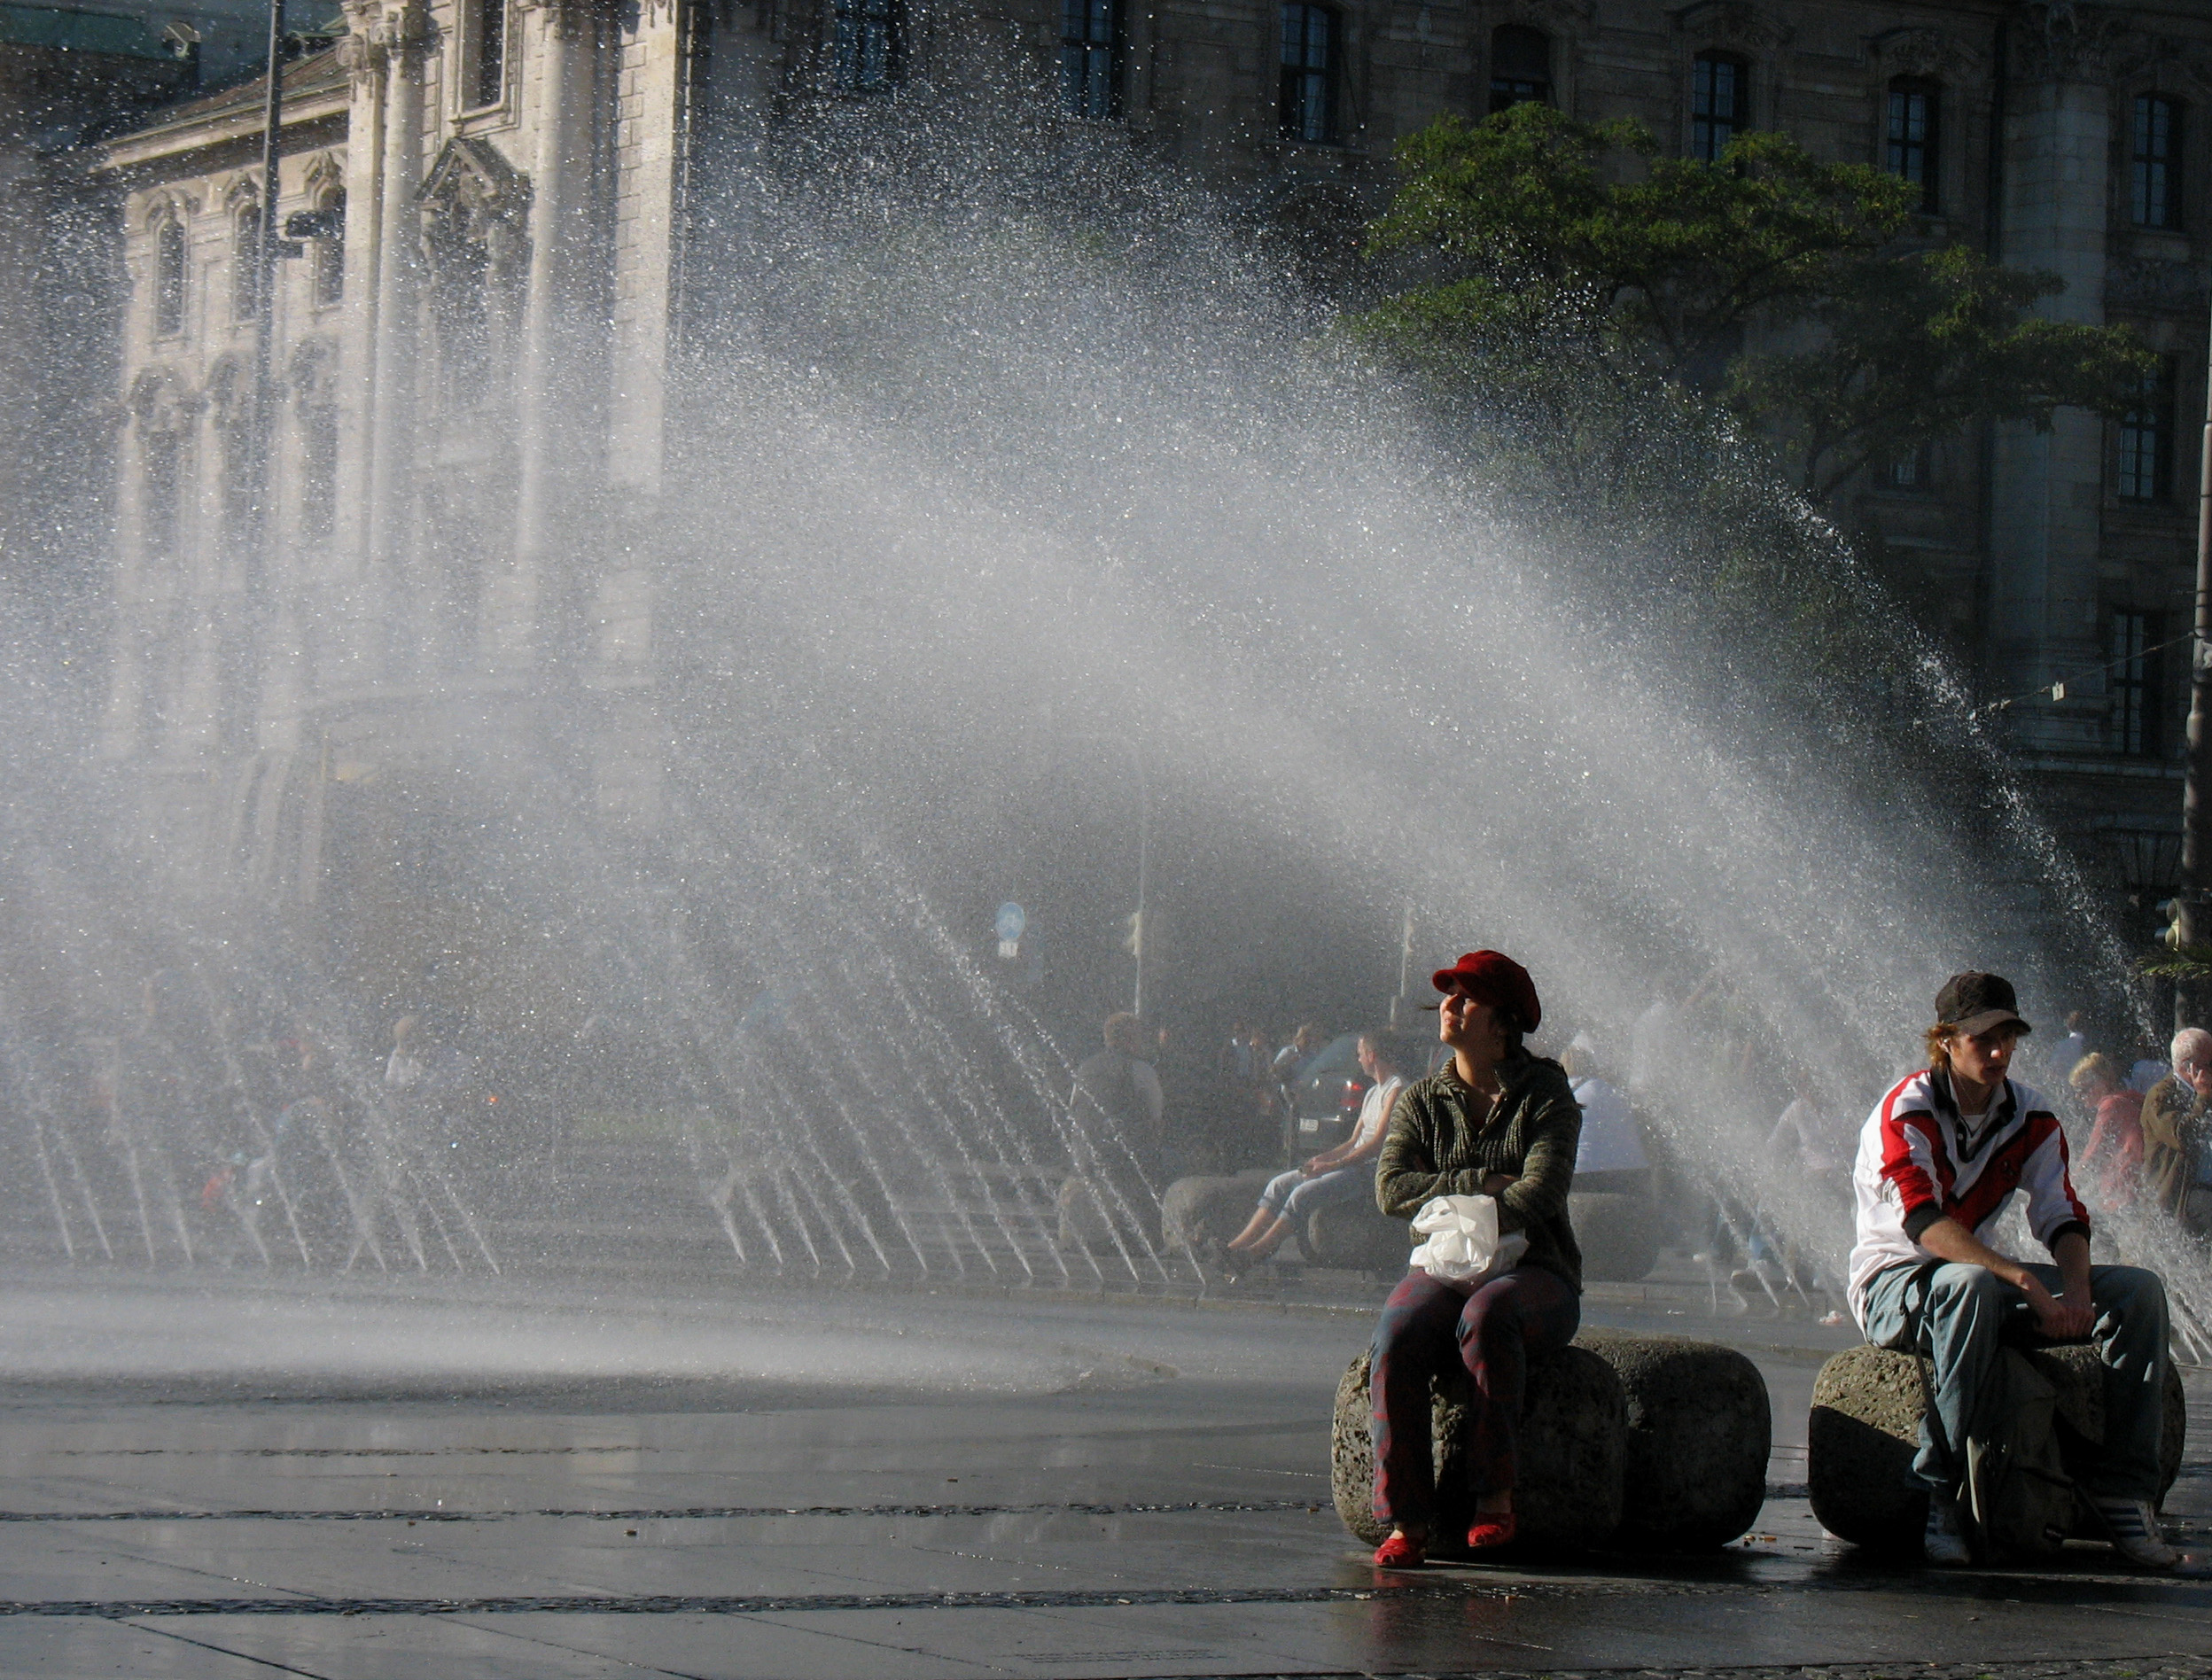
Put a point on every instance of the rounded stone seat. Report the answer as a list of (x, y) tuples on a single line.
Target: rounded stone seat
[(1700, 1432), (1865, 1429), (1099, 1217), (1209, 1208), (1618, 1235), (1647, 1441), (1357, 1236)]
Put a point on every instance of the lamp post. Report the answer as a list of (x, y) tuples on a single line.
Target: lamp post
[(2196, 799)]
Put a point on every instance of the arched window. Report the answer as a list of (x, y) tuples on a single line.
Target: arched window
[(245, 263), (867, 46), (1090, 54), (1915, 134), (2154, 161), (1720, 103), (169, 272), (329, 248), (1306, 106), (1520, 66)]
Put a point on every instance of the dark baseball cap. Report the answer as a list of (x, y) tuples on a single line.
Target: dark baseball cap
[(1973, 1002)]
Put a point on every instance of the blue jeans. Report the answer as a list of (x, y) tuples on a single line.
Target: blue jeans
[(1294, 1195), (1960, 1321)]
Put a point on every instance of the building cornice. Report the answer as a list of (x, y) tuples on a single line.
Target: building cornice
[(315, 94)]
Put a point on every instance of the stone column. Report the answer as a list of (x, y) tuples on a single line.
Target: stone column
[(557, 454), (399, 31), (368, 66), (2048, 488)]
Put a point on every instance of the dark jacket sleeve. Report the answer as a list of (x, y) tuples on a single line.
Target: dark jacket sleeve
[(1539, 1195), (1406, 1175)]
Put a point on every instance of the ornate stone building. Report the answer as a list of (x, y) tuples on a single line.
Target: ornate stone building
[(472, 347)]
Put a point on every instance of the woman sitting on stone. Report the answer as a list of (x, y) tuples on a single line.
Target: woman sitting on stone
[(1494, 1121), (1335, 1174)]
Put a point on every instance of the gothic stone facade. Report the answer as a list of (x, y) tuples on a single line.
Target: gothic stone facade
[(493, 173)]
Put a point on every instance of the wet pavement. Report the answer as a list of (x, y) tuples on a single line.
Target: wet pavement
[(362, 1479)]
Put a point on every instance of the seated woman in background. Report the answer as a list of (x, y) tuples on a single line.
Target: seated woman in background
[(2114, 1159), (1494, 1121), (1335, 1174)]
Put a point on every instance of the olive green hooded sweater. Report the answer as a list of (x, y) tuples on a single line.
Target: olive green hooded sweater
[(1433, 1148)]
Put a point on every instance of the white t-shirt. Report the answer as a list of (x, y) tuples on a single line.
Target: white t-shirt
[(1375, 1111), (1803, 1131), (1611, 1140)]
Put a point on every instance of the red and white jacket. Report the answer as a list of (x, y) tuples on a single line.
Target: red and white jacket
[(1916, 1165)]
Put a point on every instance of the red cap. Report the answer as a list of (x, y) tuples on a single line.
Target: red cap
[(1496, 979)]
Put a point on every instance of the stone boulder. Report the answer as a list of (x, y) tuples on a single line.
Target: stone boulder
[(1198, 1210), (1699, 1430), (1092, 1211), (1357, 1236), (1865, 1428), (1573, 1440), (1618, 1235)]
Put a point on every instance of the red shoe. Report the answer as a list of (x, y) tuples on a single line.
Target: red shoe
[(1491, 1530), (1401, 1552)]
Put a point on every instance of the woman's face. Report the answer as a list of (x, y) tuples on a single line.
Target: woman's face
[(1466, 1024)]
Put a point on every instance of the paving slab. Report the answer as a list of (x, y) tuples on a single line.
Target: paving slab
[(321, 1484)]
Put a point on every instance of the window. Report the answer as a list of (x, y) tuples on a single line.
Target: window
[(168, 278), (488, 54), (1720, 103), (1915, 107), (1307, 108), (2154, 161), (245, 263), (1914, 469), (2146, 441), (869, 48), (162, 506), (2134, 683), (1520, 67), (318, 472), (329, 249), (1090, 52)]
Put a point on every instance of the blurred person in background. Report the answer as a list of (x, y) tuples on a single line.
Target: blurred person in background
[(2112, 1163), (1118, 1100), (1610, 1158), (2177, 1130), (1341, 1174)]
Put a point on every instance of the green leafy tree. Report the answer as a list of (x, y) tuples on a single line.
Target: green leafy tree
[(1540, 252)]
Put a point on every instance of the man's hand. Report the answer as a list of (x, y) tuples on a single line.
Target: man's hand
[(1314, 1168), (2066, 1318), (1499, 1183)]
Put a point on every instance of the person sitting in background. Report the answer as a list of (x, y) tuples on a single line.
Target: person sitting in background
[(1335, 1174), (2114, 1155), (1610, 1158), (2176, 1129), (1940, 1160), (1118, 1100)]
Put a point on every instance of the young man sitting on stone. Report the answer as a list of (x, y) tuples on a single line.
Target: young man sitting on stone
[(1938, 1162)]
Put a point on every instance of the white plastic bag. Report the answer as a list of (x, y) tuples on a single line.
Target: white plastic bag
[(1460, 1243)]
